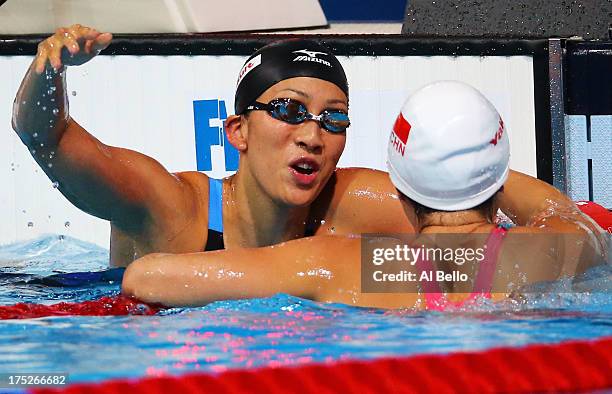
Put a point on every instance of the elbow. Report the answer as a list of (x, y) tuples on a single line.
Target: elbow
[(160, 278), (144, 278)]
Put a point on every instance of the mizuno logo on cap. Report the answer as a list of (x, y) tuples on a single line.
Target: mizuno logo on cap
[(311, 56), (310, 53)]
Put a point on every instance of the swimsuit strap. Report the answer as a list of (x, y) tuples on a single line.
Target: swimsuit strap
[(486, 272), (436, 300), (215, 215), (215, 204)]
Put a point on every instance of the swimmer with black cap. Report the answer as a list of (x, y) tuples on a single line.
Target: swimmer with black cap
[(453, 163), (291, 107), (290, 129)]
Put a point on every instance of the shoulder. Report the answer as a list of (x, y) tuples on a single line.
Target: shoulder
[(361, 183), (195, 187), (527, 243), (364, 176), (362, 200)]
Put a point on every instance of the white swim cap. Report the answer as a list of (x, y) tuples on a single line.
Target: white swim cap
[(448, 149)]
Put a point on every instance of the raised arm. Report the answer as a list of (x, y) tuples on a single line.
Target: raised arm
[(132, 190)]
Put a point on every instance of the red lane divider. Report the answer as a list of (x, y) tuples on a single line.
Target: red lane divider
[(570, 366), (104, 306), (599, 214)]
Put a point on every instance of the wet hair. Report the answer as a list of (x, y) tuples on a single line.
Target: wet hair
[(282, 60), (485, 208)]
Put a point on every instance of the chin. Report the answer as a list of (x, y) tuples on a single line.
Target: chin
[(301, 198)]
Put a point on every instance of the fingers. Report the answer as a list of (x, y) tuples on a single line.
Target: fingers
[(41, 58), (81, 43), (54, 53), (71, 43), (102, 42)]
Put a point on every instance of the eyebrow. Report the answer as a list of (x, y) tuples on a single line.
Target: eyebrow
[(306, 95)]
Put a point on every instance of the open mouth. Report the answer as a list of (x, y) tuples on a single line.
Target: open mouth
[(305, 166), (304, 170)]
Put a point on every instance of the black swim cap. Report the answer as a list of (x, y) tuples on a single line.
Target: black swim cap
[(283, 60)]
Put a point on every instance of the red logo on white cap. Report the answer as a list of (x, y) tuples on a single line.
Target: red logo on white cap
[(498, 133), (399, 137)]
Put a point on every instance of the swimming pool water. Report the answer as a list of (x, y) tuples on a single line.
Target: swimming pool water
[(281, 330)]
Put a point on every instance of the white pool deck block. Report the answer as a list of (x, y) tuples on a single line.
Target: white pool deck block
[(580, 150), (601, 149)]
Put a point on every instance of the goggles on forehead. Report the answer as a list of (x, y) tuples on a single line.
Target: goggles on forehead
[(295, 112)]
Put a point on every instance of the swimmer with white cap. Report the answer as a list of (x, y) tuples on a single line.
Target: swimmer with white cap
[(449, 157)]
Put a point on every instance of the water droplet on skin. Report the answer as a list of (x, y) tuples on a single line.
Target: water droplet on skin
[(44, 108), (55, 185), (55, 111), (49, 165), (67, 224), (35, 135), (24, 102), (38, 103), (30, 224)]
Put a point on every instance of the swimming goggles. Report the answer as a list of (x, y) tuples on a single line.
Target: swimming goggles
[(294, 112)]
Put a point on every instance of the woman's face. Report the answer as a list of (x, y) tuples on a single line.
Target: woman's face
[(292, 163)]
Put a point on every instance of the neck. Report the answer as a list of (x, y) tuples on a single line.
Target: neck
[(260, 221), (456, 221)]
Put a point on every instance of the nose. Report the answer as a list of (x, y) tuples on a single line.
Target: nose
[(308, 136)]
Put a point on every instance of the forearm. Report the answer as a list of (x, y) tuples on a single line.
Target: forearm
[(320, 268), (40, 110), (194, 279)]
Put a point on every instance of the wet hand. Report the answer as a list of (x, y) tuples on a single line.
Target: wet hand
[(70, 46)]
